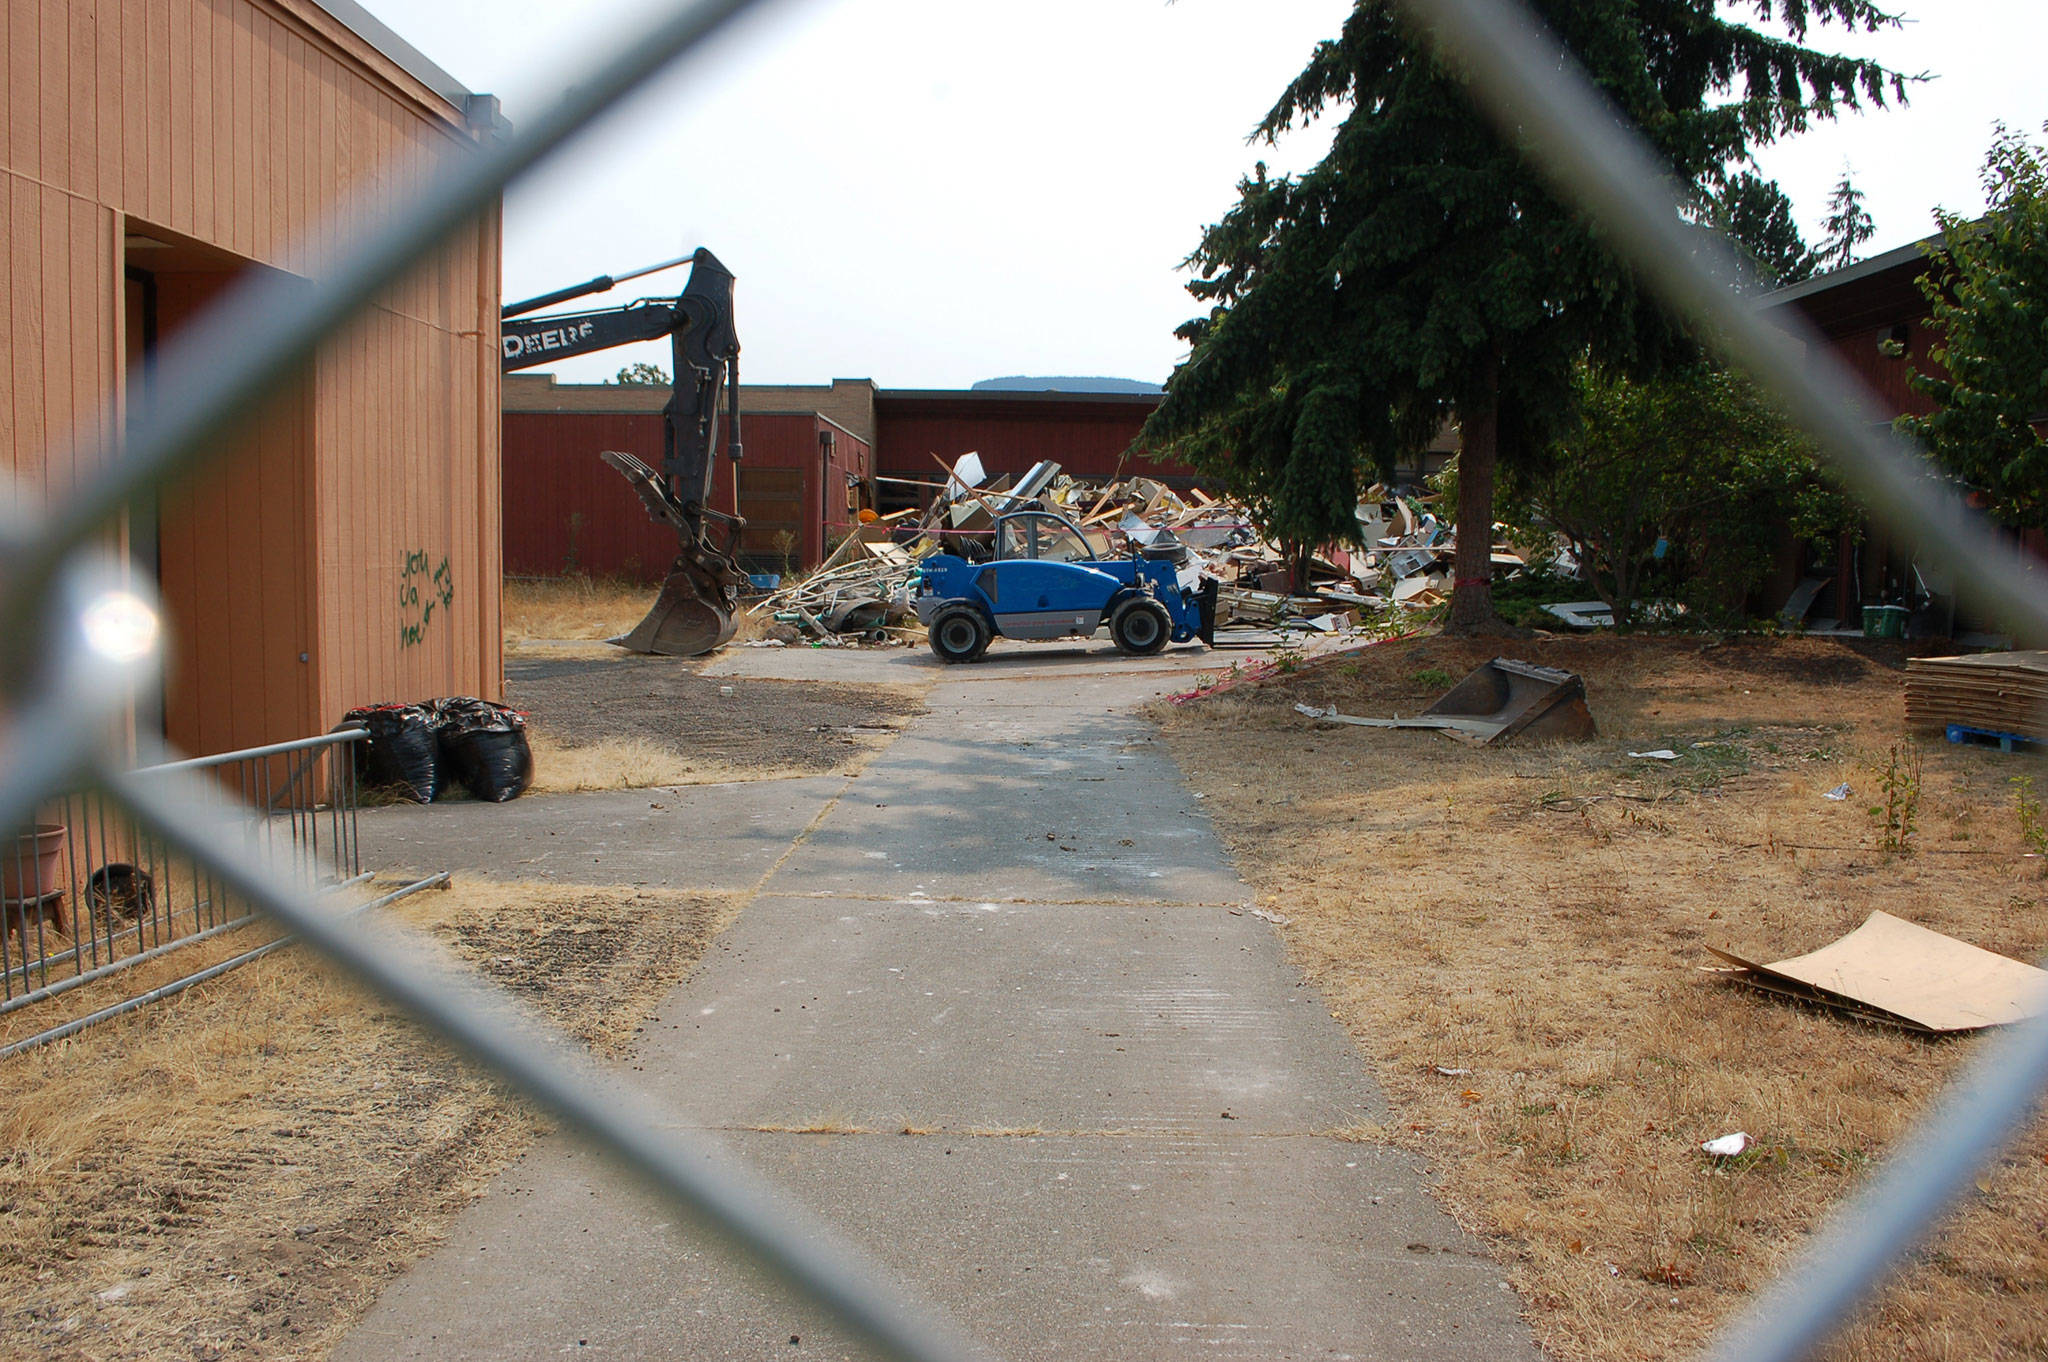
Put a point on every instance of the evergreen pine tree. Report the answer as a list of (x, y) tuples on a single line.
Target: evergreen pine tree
[(1422, 270), (1757, 217), (1847, 226)]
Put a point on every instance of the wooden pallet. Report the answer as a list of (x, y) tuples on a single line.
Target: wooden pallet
[(1984, 737), (1988, 692)]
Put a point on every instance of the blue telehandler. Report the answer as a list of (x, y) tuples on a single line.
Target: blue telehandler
[(1044, 581)]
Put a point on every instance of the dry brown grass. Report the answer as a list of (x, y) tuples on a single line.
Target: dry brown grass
[(574, 607), (613, 764), (239, 1169), (1536, 916), (578, 608)]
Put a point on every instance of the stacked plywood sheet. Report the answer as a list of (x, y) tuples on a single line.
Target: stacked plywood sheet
[(1990, 692)]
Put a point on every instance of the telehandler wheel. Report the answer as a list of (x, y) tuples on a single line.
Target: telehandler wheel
[(1139, 626), (960, 634)]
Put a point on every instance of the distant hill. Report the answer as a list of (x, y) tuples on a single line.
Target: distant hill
[(1024, 383)]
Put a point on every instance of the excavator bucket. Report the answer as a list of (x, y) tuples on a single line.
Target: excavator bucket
[(685, 621), (694, 612), (1505, 699)]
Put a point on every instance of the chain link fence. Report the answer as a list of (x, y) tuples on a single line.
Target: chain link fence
[(83, 639)]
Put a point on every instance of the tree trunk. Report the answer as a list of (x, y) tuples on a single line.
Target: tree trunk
[(1472, 565)]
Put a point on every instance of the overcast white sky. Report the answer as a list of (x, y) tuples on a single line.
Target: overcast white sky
[(930, 192)]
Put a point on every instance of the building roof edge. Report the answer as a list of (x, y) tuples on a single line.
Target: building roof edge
[(1848, 274), (403, 54)]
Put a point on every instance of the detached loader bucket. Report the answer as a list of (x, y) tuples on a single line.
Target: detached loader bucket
[(1504, 699), (689, 618)]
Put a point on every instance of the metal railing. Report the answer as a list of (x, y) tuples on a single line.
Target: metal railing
[(89, 893), (83, 640)]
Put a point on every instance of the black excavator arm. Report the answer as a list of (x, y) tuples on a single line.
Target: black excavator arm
[(695, 611)]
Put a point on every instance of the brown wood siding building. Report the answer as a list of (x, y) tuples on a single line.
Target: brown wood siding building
[(347, 550)]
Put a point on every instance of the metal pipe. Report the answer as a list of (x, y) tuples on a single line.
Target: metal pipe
[(153, 953), (177, 986), (126, 962), (339, 735), (604, 283)]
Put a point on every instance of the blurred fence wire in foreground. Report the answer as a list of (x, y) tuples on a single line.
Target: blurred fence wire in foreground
[(83, 639)]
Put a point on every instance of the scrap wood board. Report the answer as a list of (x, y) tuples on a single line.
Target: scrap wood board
[(1892, 970), (2002, 692)]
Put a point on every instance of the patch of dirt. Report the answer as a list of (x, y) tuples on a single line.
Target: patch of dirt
[(733, 727), (239, 1170), (1533, 919)]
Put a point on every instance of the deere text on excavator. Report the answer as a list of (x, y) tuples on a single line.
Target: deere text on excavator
[(695, 611)]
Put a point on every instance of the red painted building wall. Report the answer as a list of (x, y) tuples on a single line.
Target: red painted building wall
[(565, 510), (1087, 434), (1889, 379)]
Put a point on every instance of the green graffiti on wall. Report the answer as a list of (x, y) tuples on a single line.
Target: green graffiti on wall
[(421, 592)]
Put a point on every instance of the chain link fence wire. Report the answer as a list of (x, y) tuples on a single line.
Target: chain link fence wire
[(1528, 84), (83, 642)]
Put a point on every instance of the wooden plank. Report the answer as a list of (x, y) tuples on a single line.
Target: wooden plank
[(367, 547), (483, 322), (239, 629), (159, 82), (134, 108), (92, 332), (323, 517), (285, 557), (81, 175), (197, 99), (243, 142), (54, 341), (31, 426), (8, 94), (218, 175), (273, 226), (25, 86), (176, 584), (54, 61), (184, 90), (12, 453), (320, 693), (325, 202), (108, 116), (295, 148)]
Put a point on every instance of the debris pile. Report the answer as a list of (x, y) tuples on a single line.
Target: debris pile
[(861, 592)]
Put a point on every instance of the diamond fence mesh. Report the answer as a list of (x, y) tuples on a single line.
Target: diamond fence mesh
[(83, 641)]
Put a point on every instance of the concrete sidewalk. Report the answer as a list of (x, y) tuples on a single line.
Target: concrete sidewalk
[(1001, 1018)]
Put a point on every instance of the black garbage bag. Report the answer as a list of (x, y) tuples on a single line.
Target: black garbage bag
[(402, 751), (484, 746)]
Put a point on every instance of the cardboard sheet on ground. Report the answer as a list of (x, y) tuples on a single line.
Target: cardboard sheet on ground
[(1889, 969)]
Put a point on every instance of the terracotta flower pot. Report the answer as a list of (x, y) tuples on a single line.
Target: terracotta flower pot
[(29, 868)]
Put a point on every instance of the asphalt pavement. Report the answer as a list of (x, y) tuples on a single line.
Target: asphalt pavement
[(998, 1012)]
